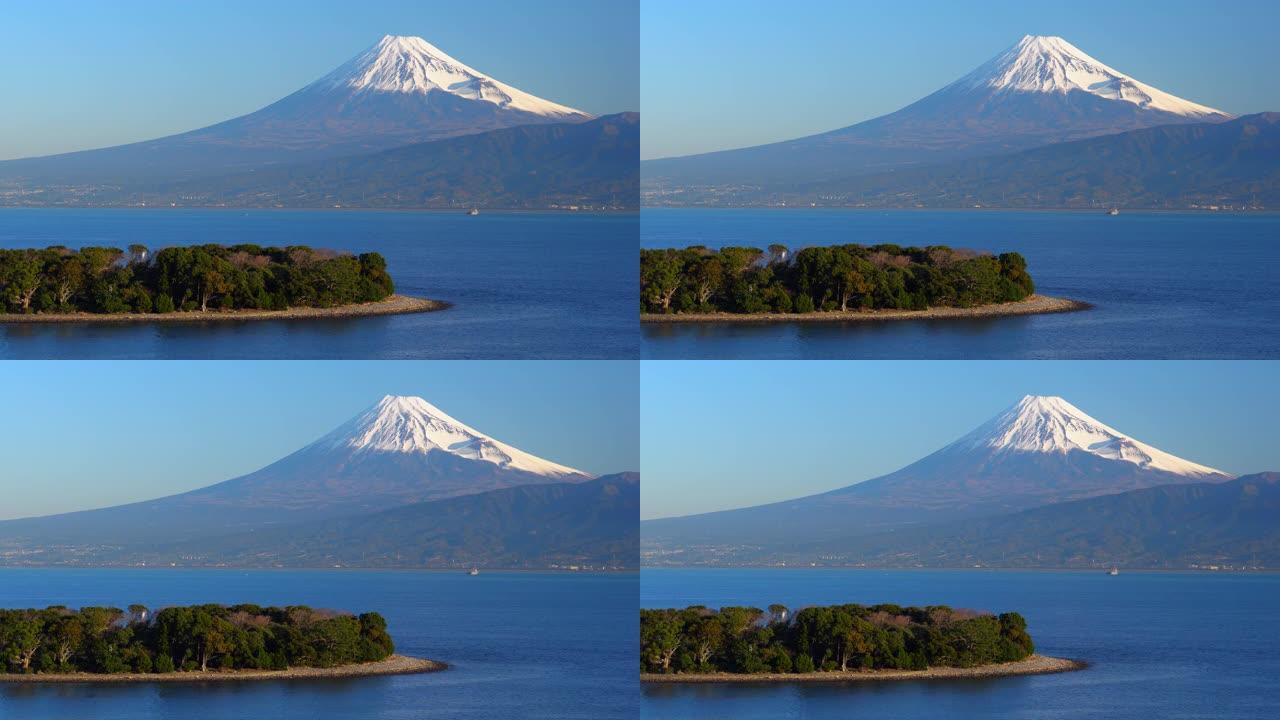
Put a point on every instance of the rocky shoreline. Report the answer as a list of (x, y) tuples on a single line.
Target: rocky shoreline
[(1034, 665), (1033, 305), (394, 665), (394, 305)]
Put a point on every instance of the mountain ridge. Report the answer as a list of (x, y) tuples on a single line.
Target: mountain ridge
[(408, 64), (410, 424), (397, 92), (1234, 164), (562, 525), (1048, 423), (968, 478), (327, 478), (1048, 63), (996, 108), (591, 164), (1205, 525), (556, 524)]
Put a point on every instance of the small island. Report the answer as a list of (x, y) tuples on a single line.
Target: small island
[(836, 643), (837, 283), (196, 644), (196, 283)]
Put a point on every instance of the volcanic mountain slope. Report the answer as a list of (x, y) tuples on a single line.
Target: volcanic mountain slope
[(1043, 90), (589, 523), (1235, 523), (401, 451), (591, 163), (402, 90), (1041, 451), (1234, 163)]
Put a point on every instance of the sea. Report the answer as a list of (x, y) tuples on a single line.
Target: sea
[(523, 285), (519, 645), (1163, 285), (1160, 646)]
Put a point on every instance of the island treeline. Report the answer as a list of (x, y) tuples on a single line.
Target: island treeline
[(187, 279), (836, 638), (842, 277), (188, 639)]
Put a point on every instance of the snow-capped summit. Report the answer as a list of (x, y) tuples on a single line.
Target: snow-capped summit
[(399, 424), (1049, 64), (411, 65), (1047, 424), (401, 91), (1041, 451), (1039, 92), (401, 451)]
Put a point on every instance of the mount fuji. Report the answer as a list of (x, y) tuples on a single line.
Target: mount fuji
[(402, 451), (400, 91), (1234, 524), (1043, 90), (1040, 451)]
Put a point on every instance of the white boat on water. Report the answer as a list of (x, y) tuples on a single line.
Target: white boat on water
[(1113, 211), (473, 211), (474, 571), (1114, 570)]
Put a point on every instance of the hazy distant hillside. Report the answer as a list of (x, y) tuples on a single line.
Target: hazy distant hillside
[(590, 524), (1235, 524), (593, 163), (585, 524), (588, 165), (1235, 163)]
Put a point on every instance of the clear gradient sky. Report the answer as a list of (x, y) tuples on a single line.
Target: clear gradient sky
[(719, 435), (77, 435), (720, 74), (79, 74)]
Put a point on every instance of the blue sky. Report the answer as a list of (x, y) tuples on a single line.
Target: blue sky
[(717, 435), (77, 435), (91, 74), (719, 74)]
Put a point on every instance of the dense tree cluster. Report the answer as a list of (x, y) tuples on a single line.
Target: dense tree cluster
[(840, 277), (196, 278), (840, 637), (195, 638)]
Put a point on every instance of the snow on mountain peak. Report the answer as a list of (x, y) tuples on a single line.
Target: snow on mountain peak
[(406, 424), (1048, 424), (411, 65), (1050, 64)]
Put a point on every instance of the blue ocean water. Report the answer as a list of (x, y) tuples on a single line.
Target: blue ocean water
[(522, 645), (1162, 646), (524, 285), (1164, 285)]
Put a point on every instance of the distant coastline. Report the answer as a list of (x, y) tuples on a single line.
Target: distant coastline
[(394, 665), (985, 208), (632, 210), (327, 568), (1034, 665), (1033, 305), (394, 305)]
